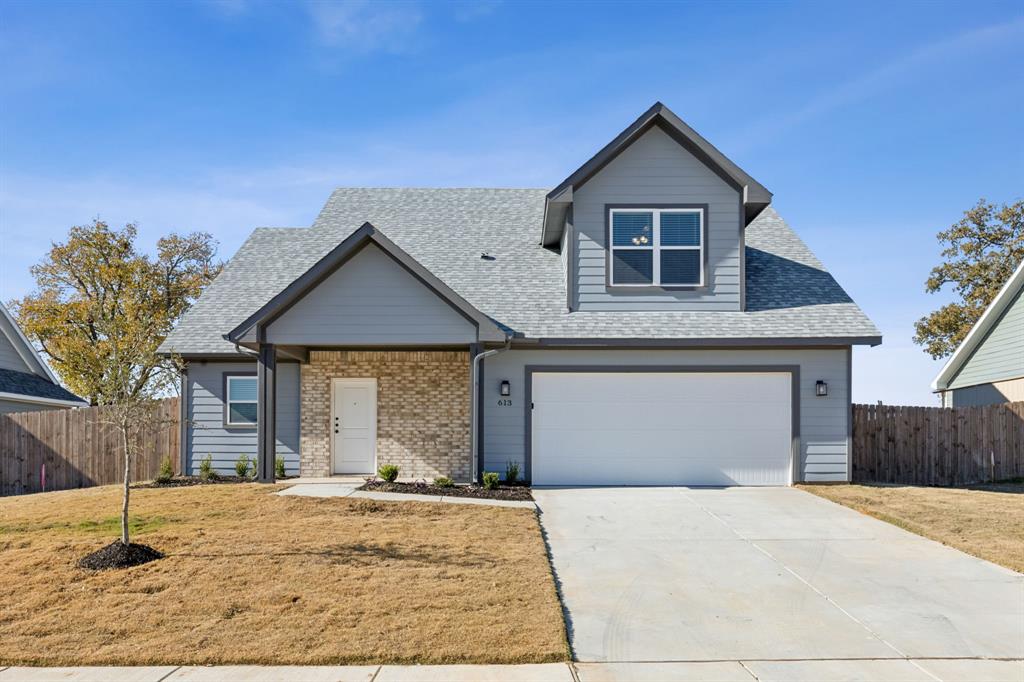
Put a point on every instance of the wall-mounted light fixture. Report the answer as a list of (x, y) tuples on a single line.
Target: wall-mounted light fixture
[(505, 387), (820, 388)]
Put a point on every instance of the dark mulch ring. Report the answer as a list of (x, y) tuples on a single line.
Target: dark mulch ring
[(119, 555), (183, 481), (502, 492)]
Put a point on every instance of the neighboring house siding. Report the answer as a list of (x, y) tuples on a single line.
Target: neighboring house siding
[(657, 170), (371, 300), (823, 421), (207, 433), (7, 406), (986, 394), (9, 357), (1000, 355)]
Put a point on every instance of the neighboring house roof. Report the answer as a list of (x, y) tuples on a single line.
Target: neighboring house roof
[(755, 195), (522, 287), (981, 329), (32, 388), (39, 385)]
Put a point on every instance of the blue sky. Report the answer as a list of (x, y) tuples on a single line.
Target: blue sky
[(875, 125)]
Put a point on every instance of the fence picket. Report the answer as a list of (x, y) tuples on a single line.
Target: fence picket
[(937, 445)]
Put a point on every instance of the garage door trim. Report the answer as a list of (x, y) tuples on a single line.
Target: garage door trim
[(794, 393)]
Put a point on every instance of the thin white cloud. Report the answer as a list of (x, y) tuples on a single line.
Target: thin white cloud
[(362, 26), (877, 81)]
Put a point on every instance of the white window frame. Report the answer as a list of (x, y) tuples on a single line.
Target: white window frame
[(228, 401), (656, 248)]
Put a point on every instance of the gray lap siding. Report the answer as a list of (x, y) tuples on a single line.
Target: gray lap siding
[(824, 421), (206, 433)]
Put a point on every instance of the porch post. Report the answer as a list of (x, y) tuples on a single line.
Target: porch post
[(476, 371), (266, 434)]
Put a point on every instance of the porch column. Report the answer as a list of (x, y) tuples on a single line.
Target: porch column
[(266, 434), (476, 382)]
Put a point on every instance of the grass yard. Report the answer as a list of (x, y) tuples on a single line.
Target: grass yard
[(251, 577), (985, 520)]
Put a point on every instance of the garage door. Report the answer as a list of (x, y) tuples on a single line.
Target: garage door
[(673, 428)]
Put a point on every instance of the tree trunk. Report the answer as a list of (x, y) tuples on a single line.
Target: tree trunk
[(127, 479)]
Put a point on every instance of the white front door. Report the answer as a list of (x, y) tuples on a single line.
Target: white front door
[(354, 425)]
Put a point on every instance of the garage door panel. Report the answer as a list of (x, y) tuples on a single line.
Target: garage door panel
[(661, 429)]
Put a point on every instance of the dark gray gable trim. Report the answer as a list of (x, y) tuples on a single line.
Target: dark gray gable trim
[(487, 330), (796, 451), (754, 195), (640, 290)]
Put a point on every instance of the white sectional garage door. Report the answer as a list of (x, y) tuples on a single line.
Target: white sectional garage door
[(661, 428)]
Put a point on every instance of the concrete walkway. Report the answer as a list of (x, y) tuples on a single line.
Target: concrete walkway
[(350, 490), (891, 670)]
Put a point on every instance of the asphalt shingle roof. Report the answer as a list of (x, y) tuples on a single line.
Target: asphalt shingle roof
[(789, 293), (24, 383)]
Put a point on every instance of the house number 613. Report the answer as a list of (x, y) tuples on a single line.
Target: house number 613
[(504, 402)]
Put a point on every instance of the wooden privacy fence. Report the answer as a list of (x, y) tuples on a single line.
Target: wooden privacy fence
[(76, 449), (938, 445)]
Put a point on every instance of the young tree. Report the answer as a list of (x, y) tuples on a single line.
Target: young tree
[(982, 250), (97, 294), (101, 309)]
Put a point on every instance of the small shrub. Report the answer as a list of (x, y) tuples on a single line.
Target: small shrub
[(242, 466), (389, 472), (511, 472), (444, 482), (166, 472), (279, 467), (491, 480), (206, 471)]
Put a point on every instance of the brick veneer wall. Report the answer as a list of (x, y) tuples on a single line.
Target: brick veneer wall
[(422, 410)]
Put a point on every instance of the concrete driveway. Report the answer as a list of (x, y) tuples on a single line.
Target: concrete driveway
[(766, 574)]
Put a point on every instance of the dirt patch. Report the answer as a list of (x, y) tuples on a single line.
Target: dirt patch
[(984, 520), (119, 555), (316, 581), (504, 492)]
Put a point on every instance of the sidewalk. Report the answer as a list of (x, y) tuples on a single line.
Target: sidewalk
[(853, 670), (332, 489)]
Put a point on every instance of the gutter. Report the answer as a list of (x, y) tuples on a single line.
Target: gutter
[(39, 400), (474, 427)]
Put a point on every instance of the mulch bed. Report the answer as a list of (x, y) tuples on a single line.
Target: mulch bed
[(184, 481), (119, 555), (503, 492)]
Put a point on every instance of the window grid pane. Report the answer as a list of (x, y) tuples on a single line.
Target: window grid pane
[(241, 388), (680, 229), (242, 413), (633, 229), (680, 266), (632, 266)]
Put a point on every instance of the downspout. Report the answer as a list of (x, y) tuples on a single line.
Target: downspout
[(475, 405)]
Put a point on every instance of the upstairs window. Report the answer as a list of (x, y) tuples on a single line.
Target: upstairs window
[(241, 401), (657, 247)]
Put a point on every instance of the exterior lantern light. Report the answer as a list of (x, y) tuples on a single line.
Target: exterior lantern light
[(820, 388), (505, 388)]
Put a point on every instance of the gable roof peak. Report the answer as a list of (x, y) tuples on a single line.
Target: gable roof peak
[(755, 196)]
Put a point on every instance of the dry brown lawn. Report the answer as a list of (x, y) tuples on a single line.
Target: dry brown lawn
[(251, 577), (986, 521)]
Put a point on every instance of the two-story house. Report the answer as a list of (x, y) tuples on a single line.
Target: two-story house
[(651, 320)]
